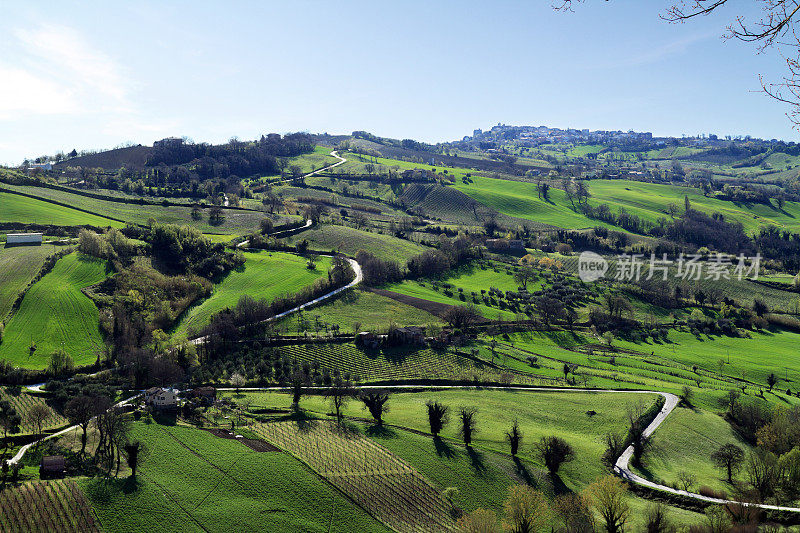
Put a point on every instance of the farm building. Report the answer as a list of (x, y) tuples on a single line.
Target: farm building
[(53, 466), (24, 238), (409, 335), (207, 395), (161, 397), (505, 245)]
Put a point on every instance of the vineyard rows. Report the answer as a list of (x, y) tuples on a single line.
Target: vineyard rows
[(23, 402), (377, 480), (46, 506)]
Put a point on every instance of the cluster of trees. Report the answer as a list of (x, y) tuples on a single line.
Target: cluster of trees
[(699, 229), (378, 271), (450, 253), (602, 506), (233, 158)]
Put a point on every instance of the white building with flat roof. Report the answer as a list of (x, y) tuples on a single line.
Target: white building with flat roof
[(24, 238)]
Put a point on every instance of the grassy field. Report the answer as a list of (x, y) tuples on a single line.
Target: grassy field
[(482, 475), (190, 480), (684, 443), (369, 310), (18, 266), (264, 275), (646, 200), (235, 221), (16, 208), (426, 291), (752, 359), (350, 240), (56, 314), (47, 506)]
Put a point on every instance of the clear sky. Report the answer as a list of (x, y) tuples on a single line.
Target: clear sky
[(98, 74)]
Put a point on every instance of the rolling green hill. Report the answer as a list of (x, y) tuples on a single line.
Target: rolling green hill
[(16, 208), (56, 314), (264, 276), (18, 266), (646, 200)]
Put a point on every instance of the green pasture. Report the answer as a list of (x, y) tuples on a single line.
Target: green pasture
[(647, 200), (234, 221), (18, 266), (56, 314), (264, 275), (190, 480), (684, 444), (16, 208), (371, 311), (350, 240)]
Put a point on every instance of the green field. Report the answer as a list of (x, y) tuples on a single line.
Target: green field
[(16, 208), (426, 291), (18, 266), (646, 200), (483, 474), (264, 275), (684, 443), (350, 240), (235, 221), (56, 314), (190, 480), (369, 310)]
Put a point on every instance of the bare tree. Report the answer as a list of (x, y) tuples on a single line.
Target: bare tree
[(514, 438), (339, 394), (38, 415), (438, 416), (375, 402), (467, 429)]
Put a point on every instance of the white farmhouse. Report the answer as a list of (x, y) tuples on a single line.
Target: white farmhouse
[(24, 238), (161, 397)]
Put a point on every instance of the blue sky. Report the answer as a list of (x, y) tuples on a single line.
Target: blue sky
[(98, 74)]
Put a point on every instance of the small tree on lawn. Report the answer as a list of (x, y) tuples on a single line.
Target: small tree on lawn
[(132, 451), (554, 452), (375, 402), (299, 380), (686, 480), (772, 380), (466, 416), (339, 394), (438, 416), (238, 381), (728, 457), (79, 411), (514, 438)]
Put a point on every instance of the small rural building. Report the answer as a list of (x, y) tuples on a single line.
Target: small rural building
[(41, 166), (369, 340), (53, 466), (505, 245), (24, 238), (409, 335), (206, 395), (161, 398)]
